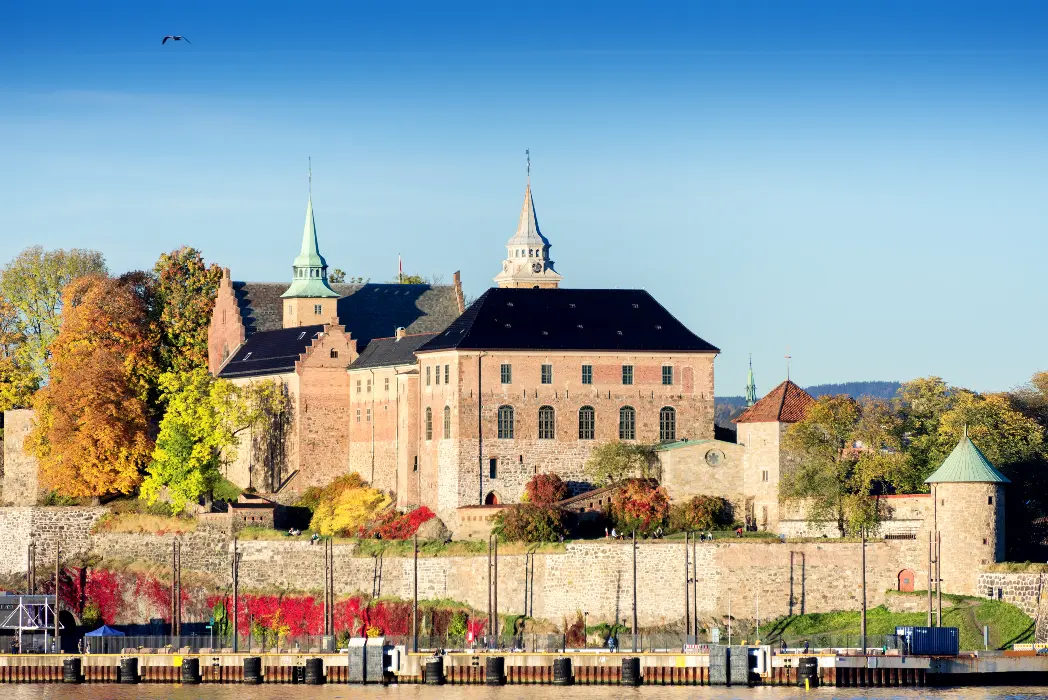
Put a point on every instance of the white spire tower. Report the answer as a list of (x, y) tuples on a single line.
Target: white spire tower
[(527, 261)]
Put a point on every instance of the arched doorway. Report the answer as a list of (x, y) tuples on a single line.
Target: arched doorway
[(492, 499), (906, 579)]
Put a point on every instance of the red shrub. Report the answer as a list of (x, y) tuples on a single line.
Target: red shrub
[(639, 505), (391, 525), (545, 489)]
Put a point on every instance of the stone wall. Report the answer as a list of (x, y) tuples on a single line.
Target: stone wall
[(22, 526), (21, 486), (1022, 590)]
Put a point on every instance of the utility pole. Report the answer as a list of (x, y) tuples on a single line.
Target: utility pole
[(634, 591), (414, 602), (695, 589), (729, 615), (236, 596), (495, 592), (489, 584), (58, 598), (931, 560), (863, 630), (938, 579), (687, 598)]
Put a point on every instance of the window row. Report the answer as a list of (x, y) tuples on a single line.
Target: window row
[(334, 354), (447, 423), (588, 423), (506, 374), (433, 373)]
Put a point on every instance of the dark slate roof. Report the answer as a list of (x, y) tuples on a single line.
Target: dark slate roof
[(270, 352), (367, 311), (386, 352), (568, 319)]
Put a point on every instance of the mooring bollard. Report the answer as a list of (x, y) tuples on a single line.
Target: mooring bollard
[(314, 671), (252, 670), (562, 671), (191, 670)]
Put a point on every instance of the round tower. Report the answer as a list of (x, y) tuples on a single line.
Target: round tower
[(968, 515)]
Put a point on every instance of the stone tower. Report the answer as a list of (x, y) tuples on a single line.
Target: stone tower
[(527, 262), (310, 299), (968, 514), (760, 429)]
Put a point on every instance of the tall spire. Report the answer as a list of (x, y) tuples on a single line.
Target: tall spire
[(751, 386), (527, 262), (309, 269)]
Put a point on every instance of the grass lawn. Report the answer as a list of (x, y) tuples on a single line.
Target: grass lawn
[(1008, 625)]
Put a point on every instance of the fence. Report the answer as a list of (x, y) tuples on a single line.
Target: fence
[(196, 643)]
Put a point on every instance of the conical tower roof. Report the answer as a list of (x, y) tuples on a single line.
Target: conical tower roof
[(966, 464), (528, 233), (310, 267)]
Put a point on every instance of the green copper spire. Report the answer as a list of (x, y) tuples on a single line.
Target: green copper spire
[(966, 464), (751, 386), (310, 268)]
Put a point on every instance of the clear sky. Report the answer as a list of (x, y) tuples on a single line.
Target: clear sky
[(863, 183)]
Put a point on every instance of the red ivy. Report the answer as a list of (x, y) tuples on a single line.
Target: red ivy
[(391, 525), (545, 489)]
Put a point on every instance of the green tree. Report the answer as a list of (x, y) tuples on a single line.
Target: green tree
[(837, 456), (337, 276), (920, 408), (186, 288), (612, 462), (33, 284), (17, 379), (529, 522)]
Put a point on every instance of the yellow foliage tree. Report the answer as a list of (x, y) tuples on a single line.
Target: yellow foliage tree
[(346, 505)]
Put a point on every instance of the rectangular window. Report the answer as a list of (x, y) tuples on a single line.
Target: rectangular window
[(427, 375), (447, 374), (358, 415), (667, 375), (317, 309), (437, 372), (547, 374), (587, 374), (369, 386), (369, 415), (493, 468), (358, 386), (507, 373), (989, 500), (387, 383), (627, 374), (764, 475), (334, 354), (416, 464)]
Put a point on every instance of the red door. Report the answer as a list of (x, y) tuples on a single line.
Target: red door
[(906, 578)]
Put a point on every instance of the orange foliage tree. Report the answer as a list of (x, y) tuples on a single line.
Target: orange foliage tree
[(93, 423)]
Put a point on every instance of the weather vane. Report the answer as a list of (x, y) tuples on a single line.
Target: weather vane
[(527, 152), (310, 176), (788, 358)]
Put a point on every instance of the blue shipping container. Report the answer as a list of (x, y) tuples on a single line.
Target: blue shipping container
[(929, 641)]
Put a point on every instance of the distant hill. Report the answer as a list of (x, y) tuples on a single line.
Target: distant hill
[(728, 407)]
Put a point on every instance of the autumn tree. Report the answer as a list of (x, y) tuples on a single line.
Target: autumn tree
[(186, 288), (639, 506), (33, 284), (92, 429)]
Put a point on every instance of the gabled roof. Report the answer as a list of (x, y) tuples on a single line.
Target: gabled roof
[(270, 352), (568, 319), (386, 352), (966, 464), (786, 403)]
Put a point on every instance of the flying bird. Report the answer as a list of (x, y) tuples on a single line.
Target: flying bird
[(176, 38)]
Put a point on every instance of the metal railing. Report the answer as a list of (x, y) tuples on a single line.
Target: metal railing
[(197, 643)]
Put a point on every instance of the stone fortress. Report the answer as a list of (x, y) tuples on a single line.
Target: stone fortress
[(457, 408)]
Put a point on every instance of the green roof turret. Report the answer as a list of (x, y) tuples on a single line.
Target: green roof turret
[(310, 267), (966, 464)]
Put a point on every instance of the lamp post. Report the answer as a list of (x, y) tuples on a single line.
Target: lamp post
[(585, 629), (634, 545)]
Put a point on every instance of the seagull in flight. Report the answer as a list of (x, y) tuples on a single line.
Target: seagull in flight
[(176, 38)]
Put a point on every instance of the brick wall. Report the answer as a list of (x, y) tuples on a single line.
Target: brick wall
[(322, 412), (226, 331)]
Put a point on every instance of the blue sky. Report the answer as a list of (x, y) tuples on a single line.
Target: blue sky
[(860, 182)]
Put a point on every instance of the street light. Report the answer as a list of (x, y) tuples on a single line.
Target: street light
[(585, 629)]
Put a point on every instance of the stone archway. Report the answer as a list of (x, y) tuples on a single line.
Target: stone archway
[(906, 580), (492, 499)]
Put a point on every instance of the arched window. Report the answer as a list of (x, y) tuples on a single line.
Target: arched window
[(667, 424), (429, 423), (587, 419), (627, 423), (505, 422), (447, 422), (547, 423)]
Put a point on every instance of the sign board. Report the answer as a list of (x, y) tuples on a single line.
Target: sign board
[(715, 635)]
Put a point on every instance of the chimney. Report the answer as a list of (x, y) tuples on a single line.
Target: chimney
[(400, 333)]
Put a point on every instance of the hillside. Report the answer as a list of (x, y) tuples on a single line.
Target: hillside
[(728, 407)]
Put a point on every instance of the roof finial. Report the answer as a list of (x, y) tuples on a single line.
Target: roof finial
[(788, 358), (527, 152), (310, 176), (751, 386)]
